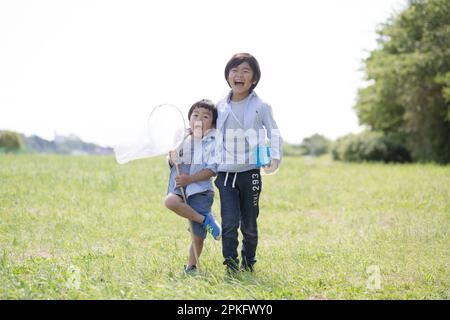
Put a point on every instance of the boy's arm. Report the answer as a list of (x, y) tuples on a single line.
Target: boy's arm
[(209, 171), (171, 158), (204, 174), (185, 179)]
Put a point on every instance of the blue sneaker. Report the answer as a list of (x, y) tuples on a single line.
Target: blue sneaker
[(211, 225), (190, 271)]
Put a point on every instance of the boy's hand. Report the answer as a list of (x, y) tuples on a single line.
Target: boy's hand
[(274, 163), (183, 180), (172, 157)]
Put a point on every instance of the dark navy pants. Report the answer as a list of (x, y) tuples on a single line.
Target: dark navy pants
[(239, 206)]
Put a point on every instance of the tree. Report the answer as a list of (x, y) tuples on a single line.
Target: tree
[(315, 145), (369, 146), (10, 141), (409, 96)]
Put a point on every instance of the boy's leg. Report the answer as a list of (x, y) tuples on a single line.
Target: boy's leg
[(201, 203), (230, 213), (176, 204), (198, 243), (250, 186)]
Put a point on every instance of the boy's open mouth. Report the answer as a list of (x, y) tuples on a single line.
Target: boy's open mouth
[(238, 83)]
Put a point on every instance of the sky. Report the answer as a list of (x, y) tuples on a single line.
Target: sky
[(96, 69)]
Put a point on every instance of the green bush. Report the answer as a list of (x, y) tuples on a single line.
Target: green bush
[(315, 145), (369, 146), (292, 150), (10, 141)]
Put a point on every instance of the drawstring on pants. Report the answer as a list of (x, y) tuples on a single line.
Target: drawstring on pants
[(226, 178), (234, 180)]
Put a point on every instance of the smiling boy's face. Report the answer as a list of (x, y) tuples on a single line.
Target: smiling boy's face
[(201, 121), (240, 79)]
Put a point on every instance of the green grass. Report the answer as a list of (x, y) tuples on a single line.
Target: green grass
[(88, 228)]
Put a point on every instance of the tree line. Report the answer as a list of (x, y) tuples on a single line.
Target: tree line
[(14, 142), (408, 96), (405, 106)]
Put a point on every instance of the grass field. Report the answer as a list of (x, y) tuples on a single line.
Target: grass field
[(88, 228)]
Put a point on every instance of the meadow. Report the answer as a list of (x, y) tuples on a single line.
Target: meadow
[(84, 227)]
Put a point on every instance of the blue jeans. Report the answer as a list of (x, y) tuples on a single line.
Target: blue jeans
[(239, 206)]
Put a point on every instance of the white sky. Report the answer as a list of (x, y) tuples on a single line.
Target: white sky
[(96, 68)]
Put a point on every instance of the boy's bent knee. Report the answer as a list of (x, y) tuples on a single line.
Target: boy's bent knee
[(171, 202)]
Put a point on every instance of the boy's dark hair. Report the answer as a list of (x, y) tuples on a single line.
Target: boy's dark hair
[(239, 58), (206, 104)]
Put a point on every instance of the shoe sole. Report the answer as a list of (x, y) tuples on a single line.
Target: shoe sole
[(219, 237)]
